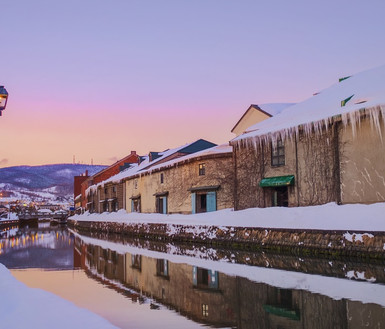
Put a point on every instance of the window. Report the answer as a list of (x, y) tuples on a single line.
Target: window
[(278, 154), (161, 204), (114, 189), (205, 279), (161, 178), (135, 205), (162, 267), (105, 191), (136, 261), (279, 197), (205, 310), (202, 169), (114, 205), (204, 202)]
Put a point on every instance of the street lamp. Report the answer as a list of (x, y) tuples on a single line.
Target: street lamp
[(3, 99)]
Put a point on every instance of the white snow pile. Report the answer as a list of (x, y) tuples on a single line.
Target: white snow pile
[(362, 93), (350, 217), (23, 307)]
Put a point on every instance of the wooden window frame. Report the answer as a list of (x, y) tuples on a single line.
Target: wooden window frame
[(278, 154), (202, 169)]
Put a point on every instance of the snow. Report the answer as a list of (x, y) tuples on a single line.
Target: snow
[(220, 149), (336, 288), (357, 237), (274, 108), (350, 217), (318, 111), (23, 307)]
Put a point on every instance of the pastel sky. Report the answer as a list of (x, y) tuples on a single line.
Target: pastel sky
[(97, 79)]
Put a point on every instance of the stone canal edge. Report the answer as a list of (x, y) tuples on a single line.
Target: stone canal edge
[(362, 244)]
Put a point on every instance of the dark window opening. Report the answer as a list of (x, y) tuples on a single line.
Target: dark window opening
[(161, 178), (162, 267), (161, 205), (278, 154), (205, 279), (202, 169), (280, 197), (114, 205), (136, 261), (201, 203), (135, 205)]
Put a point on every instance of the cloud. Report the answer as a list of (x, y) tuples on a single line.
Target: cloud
[(3, 162)]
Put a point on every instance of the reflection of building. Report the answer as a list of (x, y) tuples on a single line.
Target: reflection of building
[(36, 247), (218, 299)]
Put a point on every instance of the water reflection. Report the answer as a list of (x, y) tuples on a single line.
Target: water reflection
[(213, 287), (39, 246), (215, 298)]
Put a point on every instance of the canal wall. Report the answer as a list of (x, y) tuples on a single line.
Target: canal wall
[(316, 242)]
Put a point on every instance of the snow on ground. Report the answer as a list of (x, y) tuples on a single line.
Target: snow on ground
[(335, 288), (23, 307), (352, 217)]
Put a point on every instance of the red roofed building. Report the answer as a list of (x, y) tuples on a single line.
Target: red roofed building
[(107, 173)]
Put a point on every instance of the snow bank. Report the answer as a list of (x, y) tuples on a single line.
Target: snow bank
[(23, 307), (352, 217)]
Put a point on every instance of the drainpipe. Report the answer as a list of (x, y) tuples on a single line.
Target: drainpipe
[(337, 169), (296, 168)]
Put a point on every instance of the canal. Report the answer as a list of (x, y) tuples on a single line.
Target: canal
[(143, 284)]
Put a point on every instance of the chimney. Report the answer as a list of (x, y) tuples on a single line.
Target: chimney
[(86, 173), (133, 152)]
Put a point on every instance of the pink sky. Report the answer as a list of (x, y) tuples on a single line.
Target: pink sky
[(97, 81)]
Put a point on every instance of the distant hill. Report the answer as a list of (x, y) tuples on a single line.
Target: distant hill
[(43, 183)]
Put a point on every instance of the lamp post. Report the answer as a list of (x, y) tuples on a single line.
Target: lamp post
[(3, 99)]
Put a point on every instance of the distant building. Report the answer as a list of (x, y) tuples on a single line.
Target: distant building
[(199, 182), (139, 189), (106, 173), (78, 181)]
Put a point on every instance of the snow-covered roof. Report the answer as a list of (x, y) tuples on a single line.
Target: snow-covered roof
[(273, 108), (366, 89), (216, 150), (147, 165)]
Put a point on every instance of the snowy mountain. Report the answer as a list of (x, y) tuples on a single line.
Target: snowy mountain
[(51, 183)]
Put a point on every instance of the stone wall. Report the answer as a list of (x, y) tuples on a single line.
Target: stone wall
[(178, 179), (311, 159), (357, 244), (363, 163)]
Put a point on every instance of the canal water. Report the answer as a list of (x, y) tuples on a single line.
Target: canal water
[(143, 284)]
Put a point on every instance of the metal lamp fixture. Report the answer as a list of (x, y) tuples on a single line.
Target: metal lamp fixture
[(3, 99)]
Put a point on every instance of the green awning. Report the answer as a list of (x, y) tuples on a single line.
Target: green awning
[(282, 312), (277, 181)]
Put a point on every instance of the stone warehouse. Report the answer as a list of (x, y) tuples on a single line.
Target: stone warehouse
[(329, 148), (201, 182)]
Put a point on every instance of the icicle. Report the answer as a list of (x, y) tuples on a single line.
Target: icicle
[(374, 115)]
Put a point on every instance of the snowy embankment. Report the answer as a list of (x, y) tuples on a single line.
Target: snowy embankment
[(352, 217), (23, 307)]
